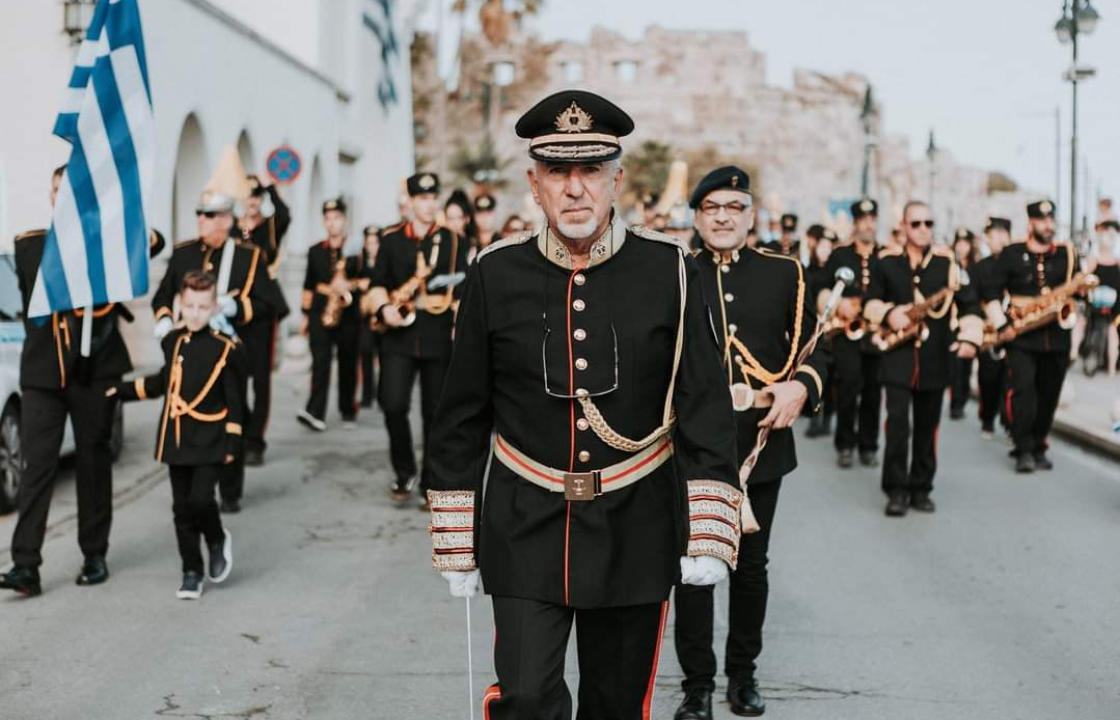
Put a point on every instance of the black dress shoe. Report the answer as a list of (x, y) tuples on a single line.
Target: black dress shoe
[(922, 503), (254, 458), (867, 458), (24, 580), (94, 571), (1024, 463), (231, 507), (400, 491), (744, 698), (844, 459), (1041, 462), (897, 504), (697, 705), (956, 413), (221, 559)]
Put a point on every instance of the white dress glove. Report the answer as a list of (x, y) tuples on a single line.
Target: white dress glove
[(163, 326), (463, 584), (228, 305), (703, 570)]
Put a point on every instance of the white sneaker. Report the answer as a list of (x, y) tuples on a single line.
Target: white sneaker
[(191, 589), (311, 421)]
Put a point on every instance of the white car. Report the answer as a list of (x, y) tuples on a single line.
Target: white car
[(11, 342)]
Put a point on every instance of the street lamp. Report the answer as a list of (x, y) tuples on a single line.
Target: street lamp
[(1079, 17), (76, 16), (867, 114), (931, 155)]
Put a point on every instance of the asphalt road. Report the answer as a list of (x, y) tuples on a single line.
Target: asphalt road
[(1001, 605)]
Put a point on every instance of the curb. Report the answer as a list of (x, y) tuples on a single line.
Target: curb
[(1099, 442)]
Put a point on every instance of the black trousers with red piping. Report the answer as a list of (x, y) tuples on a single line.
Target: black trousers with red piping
[(1035, 379), (618, 650), (903, 471)]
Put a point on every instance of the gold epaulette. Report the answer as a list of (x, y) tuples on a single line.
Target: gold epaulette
[(890, 252), (649, 234), (30, 234), (224, 338), (393, 228), (519, 239), (942, 251), (185, 243), (776, 255)]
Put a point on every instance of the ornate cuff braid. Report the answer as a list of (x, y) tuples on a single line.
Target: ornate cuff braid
[(713, 520), (452, 529)]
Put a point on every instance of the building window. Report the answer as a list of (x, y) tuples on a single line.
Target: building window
[(626, 71), (503, 73), (573, 71)]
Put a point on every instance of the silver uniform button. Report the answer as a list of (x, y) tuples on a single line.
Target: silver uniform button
[(582, 424), (728, 297), (732, 327), (578, 305), (579, 334), (582, 392), (584, 456), (725, 268), (581, 364), (579, 279)]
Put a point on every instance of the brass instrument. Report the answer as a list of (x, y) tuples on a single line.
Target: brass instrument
[(406, 297), (853, 329), (336, 302), (1057, 305), (887, 339)]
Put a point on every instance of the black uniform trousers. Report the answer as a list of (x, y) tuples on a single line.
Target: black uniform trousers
[(231, 476), (618, 650), (368, 342), (991, 376), (903, 472), (43, 424), (195, 510), (960, 383), (748, 590), (398, 373), (858, 395), (1035, 379), (323, 342), (259, 339)]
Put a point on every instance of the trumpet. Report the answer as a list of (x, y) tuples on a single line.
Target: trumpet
[(336, 301), (853, 329), (1057, 306)]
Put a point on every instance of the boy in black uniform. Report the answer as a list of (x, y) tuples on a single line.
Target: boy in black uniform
[(199, 433), (858, 391), (332, 287), (242, 295), (418, 250), (259, 335), (991, 372), (916, 372), (1036, 360), (764, 315)]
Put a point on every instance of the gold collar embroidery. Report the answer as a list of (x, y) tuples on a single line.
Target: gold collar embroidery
[(605, 247)]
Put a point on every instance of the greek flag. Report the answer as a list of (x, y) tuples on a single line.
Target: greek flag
[(97, 249)]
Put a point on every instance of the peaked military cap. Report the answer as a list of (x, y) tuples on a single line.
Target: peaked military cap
[(334, 204), (650, 199), (998, 223), (1040, 209), (830, 235), (485, 203), (815, 231), (727, 177), (574, 126), (866, 206), (370, 230), (964, 233), (213, 201), (422, 183), (789, 222)]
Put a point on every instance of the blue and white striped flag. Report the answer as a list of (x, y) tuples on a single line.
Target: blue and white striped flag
[(97, 248)]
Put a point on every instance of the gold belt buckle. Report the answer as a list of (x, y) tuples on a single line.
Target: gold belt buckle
[(584, 486)]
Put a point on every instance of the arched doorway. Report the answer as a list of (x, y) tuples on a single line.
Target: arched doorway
[(245, 152), (192, 169)]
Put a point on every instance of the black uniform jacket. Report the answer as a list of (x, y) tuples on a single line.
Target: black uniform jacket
[(201, 381), (322, 260), (50, 359), (246, 280), (792, 249), (921, 364), (531, 334), (444, 252), (267, 236), (763, 301), (1022, 275)]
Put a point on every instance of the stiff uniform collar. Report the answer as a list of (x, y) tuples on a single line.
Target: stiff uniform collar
[(606, 246), (726, 257)]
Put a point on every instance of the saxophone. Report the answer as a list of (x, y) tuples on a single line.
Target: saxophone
[(336, 302), (886, 339), (404, 298), (1056, 306)]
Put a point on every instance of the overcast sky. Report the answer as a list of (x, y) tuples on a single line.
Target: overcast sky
[(984, 74)]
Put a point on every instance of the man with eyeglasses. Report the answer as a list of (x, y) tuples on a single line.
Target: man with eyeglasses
[(587, 350), (858, 391), (763, 313), (1037, 360), (241, 273), (915, 372)]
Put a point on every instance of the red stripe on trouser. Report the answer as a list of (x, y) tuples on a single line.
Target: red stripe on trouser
[(572, 445), (492, 693), (647, 704)]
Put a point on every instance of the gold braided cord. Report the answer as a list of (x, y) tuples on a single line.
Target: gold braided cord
[(760, 372), (612, 438)]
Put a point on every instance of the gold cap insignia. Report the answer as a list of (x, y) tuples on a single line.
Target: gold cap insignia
[(330, 205), (426, 182), (734, 181), (866, 206), (1046, 207), (484, 203), (573, 120)]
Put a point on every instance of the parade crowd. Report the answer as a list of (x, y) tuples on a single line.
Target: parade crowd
[(607, 408)]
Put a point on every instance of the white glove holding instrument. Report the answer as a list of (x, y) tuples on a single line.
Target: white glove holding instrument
[(463, 583), (228, 305), (703, 570), (163, 326)]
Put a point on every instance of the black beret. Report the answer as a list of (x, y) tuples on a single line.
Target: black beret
[(255, 187), (789, 222), (422, 183), (371, 230), (998, 223), (815, 231), (866, 206), (485, 203), (334, 204), (964, 233), (727, 177), (1108, 225), (574, 126), (1040, 209)]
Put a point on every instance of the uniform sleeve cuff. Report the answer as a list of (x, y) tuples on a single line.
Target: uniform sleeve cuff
[(808, 376), (163, 312), (713, 520), (971, 330), (875, 312), (452, 529)]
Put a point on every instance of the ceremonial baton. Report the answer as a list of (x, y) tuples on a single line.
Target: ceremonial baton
[(844, 277)]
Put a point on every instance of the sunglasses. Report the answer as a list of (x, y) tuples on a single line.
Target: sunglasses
[(919, 223), (209, 215)]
